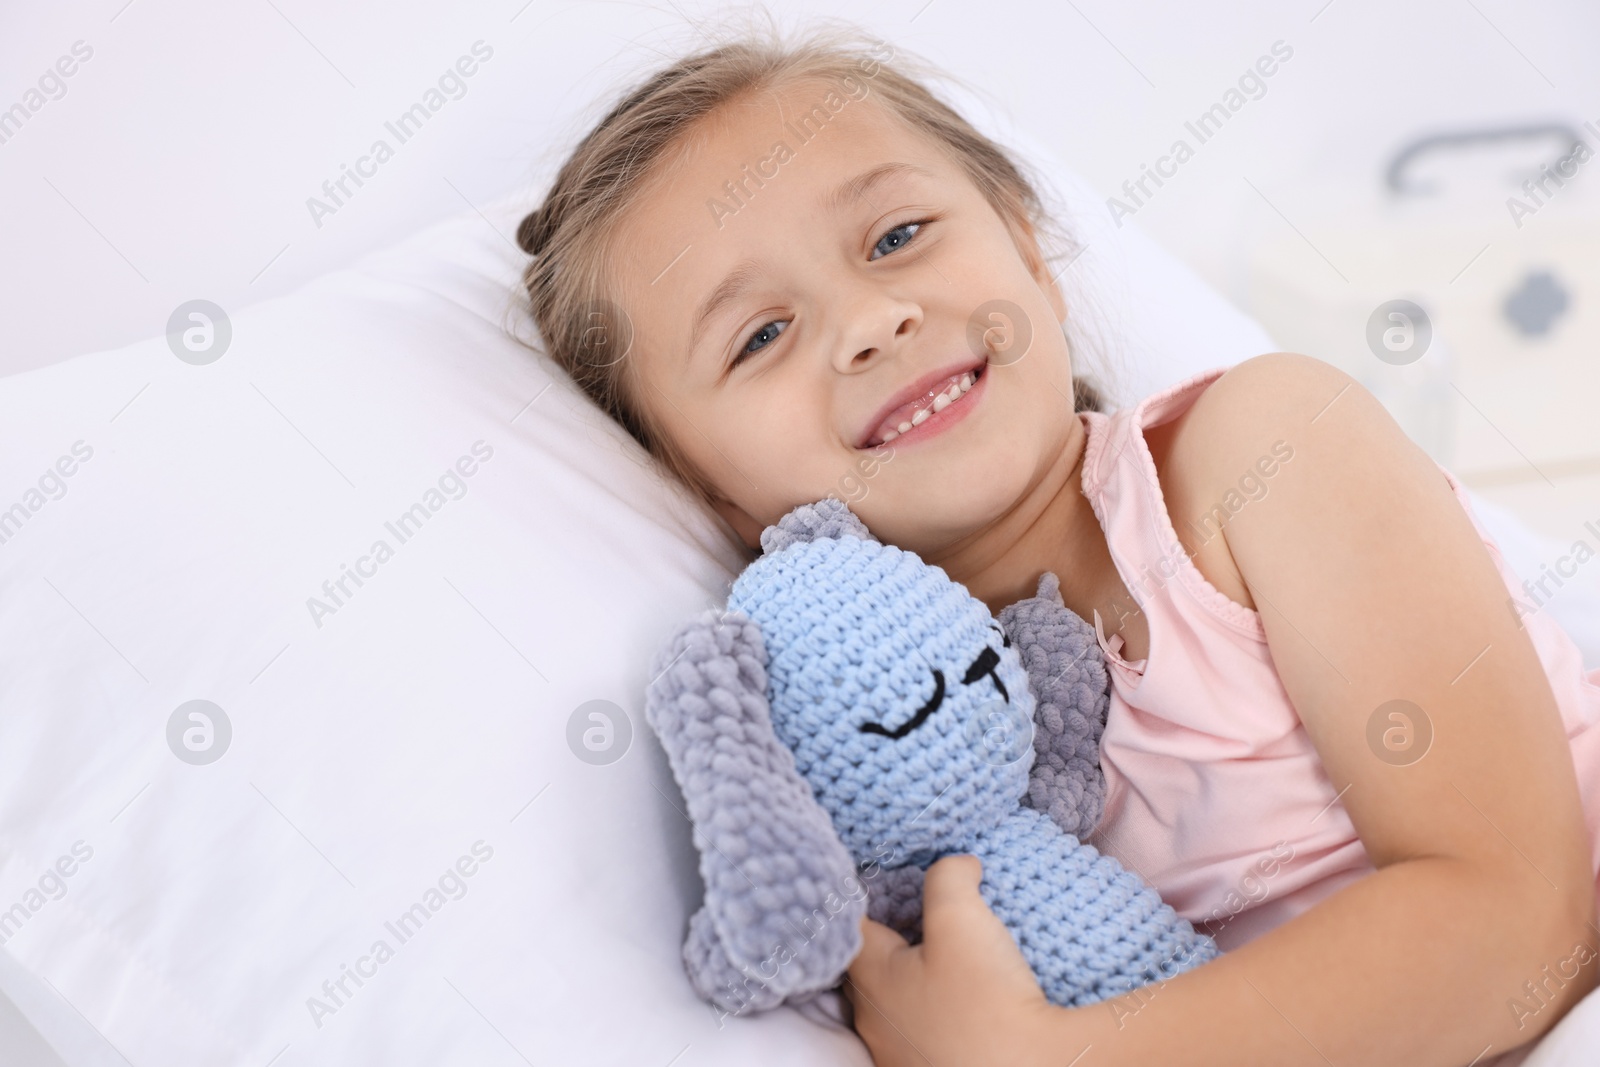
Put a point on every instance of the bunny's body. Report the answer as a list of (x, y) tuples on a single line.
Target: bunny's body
[(853, 716), (1088, 927)]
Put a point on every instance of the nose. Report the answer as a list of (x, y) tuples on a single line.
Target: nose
[(873, 323)]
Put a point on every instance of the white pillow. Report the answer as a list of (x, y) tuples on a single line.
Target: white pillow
[(407, 741)]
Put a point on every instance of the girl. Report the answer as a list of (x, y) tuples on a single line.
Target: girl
[(1333, 740)]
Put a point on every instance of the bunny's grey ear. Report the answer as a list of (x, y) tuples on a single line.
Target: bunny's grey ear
[(829, 517), (1067, 674), (783, 904)]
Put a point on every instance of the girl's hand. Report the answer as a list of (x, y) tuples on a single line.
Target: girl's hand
[(963, 996)]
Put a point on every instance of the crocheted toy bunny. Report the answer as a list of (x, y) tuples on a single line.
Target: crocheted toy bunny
[(854, 715)]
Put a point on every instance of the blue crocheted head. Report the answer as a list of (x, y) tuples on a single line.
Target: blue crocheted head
[(892, 685)]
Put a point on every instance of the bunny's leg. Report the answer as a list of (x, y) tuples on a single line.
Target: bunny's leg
[(1090, 928)]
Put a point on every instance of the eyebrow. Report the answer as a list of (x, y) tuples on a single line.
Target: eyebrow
[(743, 276), (857, 188), (735, 285)]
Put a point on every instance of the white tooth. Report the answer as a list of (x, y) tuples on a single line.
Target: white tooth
[(890, 436), (941, 402), (966, 382), (903, 427), (920, 417)]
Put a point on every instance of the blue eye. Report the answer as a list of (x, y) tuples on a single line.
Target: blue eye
[(895, 239), (762, 338)]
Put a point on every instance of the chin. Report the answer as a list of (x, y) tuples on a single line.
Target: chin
[(934, 508)]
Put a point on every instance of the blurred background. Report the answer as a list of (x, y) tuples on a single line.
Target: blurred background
[(1438, 153)]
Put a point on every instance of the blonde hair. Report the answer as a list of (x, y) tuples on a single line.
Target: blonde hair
[(569, 235)]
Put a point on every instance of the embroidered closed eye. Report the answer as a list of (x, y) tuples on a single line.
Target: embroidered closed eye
[(916, 720), (985, 664), (982, 667)]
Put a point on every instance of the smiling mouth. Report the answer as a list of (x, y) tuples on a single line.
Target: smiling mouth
[(930, 406)]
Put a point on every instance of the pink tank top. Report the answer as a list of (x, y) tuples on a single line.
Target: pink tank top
[(1214, 791)]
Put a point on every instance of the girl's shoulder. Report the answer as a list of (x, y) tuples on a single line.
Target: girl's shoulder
[(1221, 454), (1250, 406)]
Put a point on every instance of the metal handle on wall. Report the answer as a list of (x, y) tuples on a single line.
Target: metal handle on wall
[(1396, 179)]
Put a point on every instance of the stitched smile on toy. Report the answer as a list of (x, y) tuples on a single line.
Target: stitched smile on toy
[(983, 666)]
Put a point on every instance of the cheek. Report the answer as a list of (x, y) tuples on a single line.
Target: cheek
[(766, 448)]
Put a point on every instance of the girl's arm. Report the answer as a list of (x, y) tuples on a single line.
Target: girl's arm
[(1373, 586)]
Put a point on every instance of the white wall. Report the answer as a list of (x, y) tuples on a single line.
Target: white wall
[(179, 161)]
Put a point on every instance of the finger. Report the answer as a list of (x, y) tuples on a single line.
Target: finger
[(962, 934), (950, 893), (878, 946)]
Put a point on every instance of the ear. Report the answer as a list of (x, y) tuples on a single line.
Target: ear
[(781, 892), (829, 517)]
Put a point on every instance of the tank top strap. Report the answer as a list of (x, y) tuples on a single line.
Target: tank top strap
[(1120, 481)]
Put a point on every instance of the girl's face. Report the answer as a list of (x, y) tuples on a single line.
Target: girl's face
[(807, 277)]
